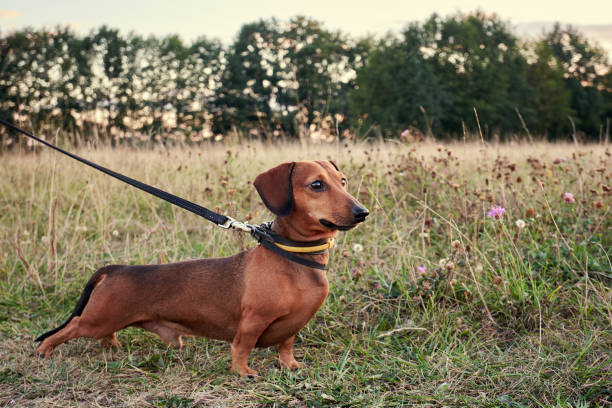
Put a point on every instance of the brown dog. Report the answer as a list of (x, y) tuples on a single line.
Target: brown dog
[(254, 298)]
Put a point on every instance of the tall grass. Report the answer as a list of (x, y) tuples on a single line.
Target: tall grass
[(432, 302)]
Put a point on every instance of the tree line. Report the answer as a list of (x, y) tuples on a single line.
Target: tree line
[(447, 77)]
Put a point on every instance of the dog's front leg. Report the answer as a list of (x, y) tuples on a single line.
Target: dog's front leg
[(285, 355), (250, 328)]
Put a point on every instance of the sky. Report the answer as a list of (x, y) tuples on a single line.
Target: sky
[(223, 19)]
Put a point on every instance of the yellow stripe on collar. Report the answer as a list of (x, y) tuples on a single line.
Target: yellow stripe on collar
[(306, 250)]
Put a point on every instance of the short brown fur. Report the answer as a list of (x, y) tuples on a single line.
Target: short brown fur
[(254, 298)]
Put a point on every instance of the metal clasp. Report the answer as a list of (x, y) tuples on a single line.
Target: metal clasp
[(232, 223), (227, 224)]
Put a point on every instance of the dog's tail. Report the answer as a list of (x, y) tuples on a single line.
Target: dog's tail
[(80, 306)]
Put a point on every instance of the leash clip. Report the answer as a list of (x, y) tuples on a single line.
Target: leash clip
[(232, 223)]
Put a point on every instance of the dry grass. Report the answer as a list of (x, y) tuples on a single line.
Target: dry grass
[(511, 317)]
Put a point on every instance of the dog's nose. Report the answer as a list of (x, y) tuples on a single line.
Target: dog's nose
[(360, 213)]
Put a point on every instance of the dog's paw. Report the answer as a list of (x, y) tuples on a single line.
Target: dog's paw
[(290, 365), (250, 374), (246, 372), (43, 352)]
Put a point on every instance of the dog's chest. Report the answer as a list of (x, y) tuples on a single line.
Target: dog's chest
[(312, 288), (308, 279)]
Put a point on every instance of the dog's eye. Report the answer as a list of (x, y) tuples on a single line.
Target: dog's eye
[(343, 181), (317, 185)]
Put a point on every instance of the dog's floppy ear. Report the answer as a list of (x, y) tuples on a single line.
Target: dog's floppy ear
[(275, 189)]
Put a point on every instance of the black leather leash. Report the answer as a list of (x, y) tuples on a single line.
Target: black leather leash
[(171, 198), (262, 233)]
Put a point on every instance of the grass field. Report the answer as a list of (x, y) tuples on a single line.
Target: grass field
[(432, 302)]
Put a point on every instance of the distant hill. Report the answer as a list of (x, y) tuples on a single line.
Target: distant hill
[(602, 34)]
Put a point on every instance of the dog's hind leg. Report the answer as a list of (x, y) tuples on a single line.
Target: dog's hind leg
[(71, 331), (110, 341), (100, 319), (82, 326)]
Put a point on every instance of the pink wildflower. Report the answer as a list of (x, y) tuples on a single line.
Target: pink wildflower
[(496, 212), (568, 198), (421, 270), (405, 133)]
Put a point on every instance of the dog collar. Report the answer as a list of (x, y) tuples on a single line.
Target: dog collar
[(288, 248), (315, 249)]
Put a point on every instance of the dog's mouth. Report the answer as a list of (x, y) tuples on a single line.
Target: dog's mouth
[(332, 226)]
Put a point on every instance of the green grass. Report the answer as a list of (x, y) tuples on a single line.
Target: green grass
[(502, 316)]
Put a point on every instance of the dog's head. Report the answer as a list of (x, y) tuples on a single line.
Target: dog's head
[(311, 198)]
